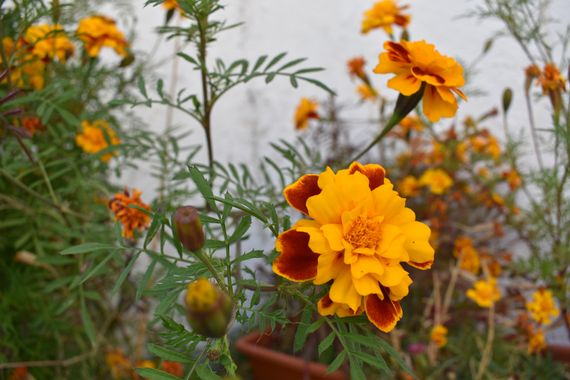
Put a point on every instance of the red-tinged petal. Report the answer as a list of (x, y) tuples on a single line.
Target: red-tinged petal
[(297, 193), (296, 261), (326, 306), (374, 172), (459, 92), (422, 266), (384, 314)]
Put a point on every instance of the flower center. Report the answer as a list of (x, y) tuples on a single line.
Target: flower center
[(363, 233)]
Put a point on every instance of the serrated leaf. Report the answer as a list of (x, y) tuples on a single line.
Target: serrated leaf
[(241, 229), (337, 362), (318, 84), (291, 64), (155, 374), (152, 229), (326, 343), (371, 360), (274, 61), (301, 333), (168, 354), (258, 63), (255, 254), (356, 372), (203, 186)]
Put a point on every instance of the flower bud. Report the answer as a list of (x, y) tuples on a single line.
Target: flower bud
[(507, 99), (209, 310), (188, 228)]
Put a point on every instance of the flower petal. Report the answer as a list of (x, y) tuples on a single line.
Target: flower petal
[(317, 241), (401, 290), (405, 83), (393, 274), (342, 290), (366, 285), (333, 235), (296, 261), (365, 265), (374, 172), (383, 313), (297, 193), (435, 107), (417, 244), (328, 267)]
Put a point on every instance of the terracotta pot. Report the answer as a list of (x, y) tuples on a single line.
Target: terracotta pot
[(559, 352), (269, 364)]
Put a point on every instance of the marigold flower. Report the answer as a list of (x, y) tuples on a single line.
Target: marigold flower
[(131, 218), (468, 256), (173, 368), (100, 31), (551, 80), (542, 307), (356, 67), (306, 110), (366, 92), (20, 373), (409, 186), (485, 292), (437, 180), (95, 137), (438, 335), (49, 42), (385, 14), (419, 63), (33, 125), (536, 342), (532, 71), (25, 68), (209, 310), (411, 123), (513, 178), (118, 364), (359, 234), (171, 4)]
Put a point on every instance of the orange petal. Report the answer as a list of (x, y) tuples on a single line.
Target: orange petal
[(405, 83), (374, 172), (326, 306), (296, 261), (435, 107), (297, 193), (384, 314)]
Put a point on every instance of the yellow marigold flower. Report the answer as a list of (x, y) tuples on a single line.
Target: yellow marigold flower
[(513, 178), (411, 123), (356, 67), (409, 186), (551, 80), (461, 151), (359, 234), (419, 63), (485, 292), (536, 342), (484, 172), (130, 218), (485, 143), (468, 256), (542, 307), (171, 4), (100, 31), (385, 14), (25, 68), (438, 335), (118, 364), (437, 180), (49, 42), (306, 110), (366, 92), (95, 137)]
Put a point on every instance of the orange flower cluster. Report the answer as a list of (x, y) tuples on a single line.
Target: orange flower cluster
[(306, 110), (99, 31), (131, 218), (384, 15), (121, 367)]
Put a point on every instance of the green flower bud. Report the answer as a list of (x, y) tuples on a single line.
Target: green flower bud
[(209, 310), (188, 228), (507, 99)]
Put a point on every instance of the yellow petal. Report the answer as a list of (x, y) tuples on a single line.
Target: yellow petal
[(317, 241), (333, 235), (405, 83), (343, 291), (329, 266), (366, 285), (435, 107), (365, 265)]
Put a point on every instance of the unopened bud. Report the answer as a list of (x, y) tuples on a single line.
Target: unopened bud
[(507, 99), (189, 228), (209, 309)]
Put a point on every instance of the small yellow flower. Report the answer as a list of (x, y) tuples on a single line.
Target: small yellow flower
[(411, 123), (438, 335), (385, 14), (366, 92), (419, 63), (118, 364), (468, 258), (409, 186), (306, 110), (356, 67), (536, 342), (49, 42), (513, 178), (485, 292), (100, 31), (542, 307), (131, 218), (359, 235), (95, 137), (437, 180)]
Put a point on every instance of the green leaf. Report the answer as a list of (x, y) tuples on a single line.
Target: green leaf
[(326, 343), (255, 254), (318, 84), (168, 354), (125, 273), (241, 229), (394, 355), (152, 229), (371, 360), (142, 86), (188, 58), (337, 362), (204, 372), (274, 61), (145, 280), (87, 322), (89, 247), (356, 372), (291, 64), (155, 374), (203, 186), (258, 63), (95, 269), (301, 334)]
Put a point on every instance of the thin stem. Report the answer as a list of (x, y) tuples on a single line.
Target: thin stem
[(206, 106), (533, 129), (488, 351)]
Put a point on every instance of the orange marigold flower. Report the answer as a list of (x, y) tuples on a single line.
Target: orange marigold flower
[(468, 256), (118, 364), (536, 342), (173, 368), (385, 14), (49, 42), (171, 4), (411, 123), (100, 31), (359, 234), (366, 92), (20, 373), (409, 186), (417, 64), (95, 137), (131, 218), (356, 67), (542, 307), (33, 125), (437, 180), (438, 335), (513, 178), (485, 292), (551, 80), (25, 69), (532, 71), (306, 110)]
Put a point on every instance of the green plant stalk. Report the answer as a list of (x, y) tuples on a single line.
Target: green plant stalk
[(206, 261)]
